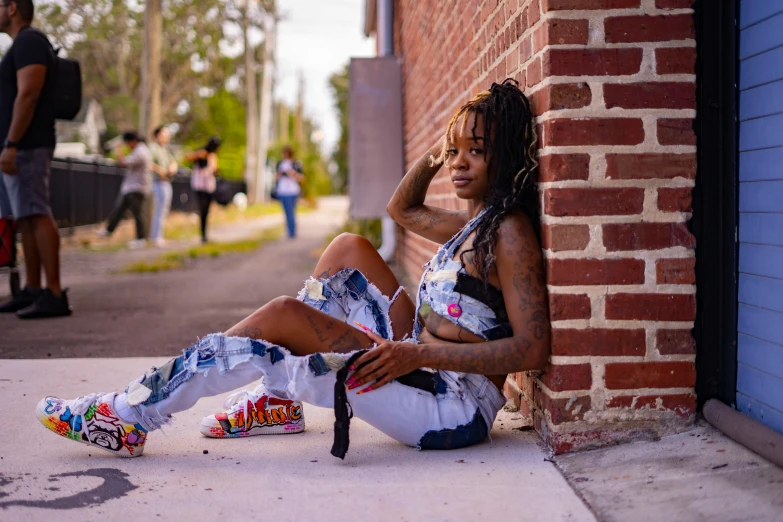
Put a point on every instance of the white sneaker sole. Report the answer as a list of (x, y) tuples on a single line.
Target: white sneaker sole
[(214, 430)]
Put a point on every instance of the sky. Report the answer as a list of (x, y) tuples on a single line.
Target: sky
[(318, 37)]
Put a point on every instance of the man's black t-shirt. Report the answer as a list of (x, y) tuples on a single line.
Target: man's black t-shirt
[(30, 47)]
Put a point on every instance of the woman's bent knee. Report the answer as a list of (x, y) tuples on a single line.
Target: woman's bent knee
[(283, 305), (347, 242)]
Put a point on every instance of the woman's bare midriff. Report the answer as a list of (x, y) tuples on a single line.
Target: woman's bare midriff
[(444, 329)]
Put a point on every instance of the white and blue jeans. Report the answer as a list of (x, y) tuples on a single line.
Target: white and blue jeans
[(453, 410), (161, 190)]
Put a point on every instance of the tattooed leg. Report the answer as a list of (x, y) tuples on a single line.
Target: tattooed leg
[(300, 328), (353, 251)]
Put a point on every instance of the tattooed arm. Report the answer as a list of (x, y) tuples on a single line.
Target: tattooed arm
[(521, 273), (407, 206)]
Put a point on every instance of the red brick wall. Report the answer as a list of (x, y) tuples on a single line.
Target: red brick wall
[(613, 88)]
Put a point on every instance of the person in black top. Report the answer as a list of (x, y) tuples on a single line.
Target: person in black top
[(27, 141)]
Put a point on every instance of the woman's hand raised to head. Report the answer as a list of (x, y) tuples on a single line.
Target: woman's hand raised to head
[(407, 206), (384, 363)]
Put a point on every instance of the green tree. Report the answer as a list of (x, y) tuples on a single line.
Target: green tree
[(338, 84), (222, 114), (106, 36)]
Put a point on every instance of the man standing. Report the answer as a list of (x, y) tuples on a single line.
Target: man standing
[(27, 136), (163, 169), (135, 188)]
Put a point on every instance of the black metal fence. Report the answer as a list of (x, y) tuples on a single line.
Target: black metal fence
[(84, 193)]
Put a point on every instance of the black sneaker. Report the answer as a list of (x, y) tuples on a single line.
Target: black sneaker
[(47, 305), (21, 300)]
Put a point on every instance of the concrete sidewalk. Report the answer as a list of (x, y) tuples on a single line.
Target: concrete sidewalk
[(262, 478), (701, 475)]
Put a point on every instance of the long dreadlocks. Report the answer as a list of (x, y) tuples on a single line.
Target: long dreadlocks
[(509, 143)]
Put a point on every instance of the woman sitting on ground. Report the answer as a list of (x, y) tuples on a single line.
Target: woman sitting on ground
[(485, 289)]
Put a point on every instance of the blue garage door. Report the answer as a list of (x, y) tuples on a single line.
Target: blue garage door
[(760, 307)]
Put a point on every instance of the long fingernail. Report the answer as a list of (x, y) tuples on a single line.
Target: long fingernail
[(351, 368), (354, 385), (367, 389), (360, 325), (350, 381)]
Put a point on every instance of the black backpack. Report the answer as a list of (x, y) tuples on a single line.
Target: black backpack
[(66, 84), (67, 87)]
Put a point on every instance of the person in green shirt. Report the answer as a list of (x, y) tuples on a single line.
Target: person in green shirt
[(163, 169)]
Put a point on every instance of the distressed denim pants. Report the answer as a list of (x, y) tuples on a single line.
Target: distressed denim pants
[(456, 411)]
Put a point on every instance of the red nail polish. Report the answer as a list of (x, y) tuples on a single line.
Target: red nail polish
[(350, 381), (367, 389), (351, 368), (354, 385), (360, 325)]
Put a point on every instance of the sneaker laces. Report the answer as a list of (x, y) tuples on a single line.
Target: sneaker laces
[(82, 404), (80, 407), (242, 397)]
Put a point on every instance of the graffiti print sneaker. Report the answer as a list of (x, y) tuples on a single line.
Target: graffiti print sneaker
[(92, 420), (256, 412)]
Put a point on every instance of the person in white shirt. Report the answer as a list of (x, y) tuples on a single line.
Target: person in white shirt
[(288, 189), (135, 189)]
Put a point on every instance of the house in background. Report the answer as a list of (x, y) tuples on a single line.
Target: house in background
[(88, 127)]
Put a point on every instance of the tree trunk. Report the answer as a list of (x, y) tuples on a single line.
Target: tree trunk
[(251, 107), (265, 116), (149, 109)]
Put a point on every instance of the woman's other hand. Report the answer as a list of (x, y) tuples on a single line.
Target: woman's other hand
[(384, 363)]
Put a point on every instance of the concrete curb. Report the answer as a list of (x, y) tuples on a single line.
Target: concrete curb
[(750, 433)]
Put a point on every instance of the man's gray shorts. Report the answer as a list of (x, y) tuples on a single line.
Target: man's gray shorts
[(26, 193)]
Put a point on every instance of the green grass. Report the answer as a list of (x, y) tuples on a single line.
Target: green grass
[(231, 213), (181, 229), (179, 258)]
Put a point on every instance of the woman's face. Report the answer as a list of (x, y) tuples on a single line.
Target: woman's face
[(465, 159), (163, 136)]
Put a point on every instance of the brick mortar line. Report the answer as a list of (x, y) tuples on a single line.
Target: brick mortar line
[(614, 219), (590, 112), (602, 14), (567, 394), (641, 148), (565, 360), (598, 80), (640, 289), (617, 324), (513, 384), (642, 254), (644, 183), (634, 417)]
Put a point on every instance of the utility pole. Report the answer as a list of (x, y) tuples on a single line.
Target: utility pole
[(265, 112), (283, 123), (149, 110), (251, 106), (299, 115)]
